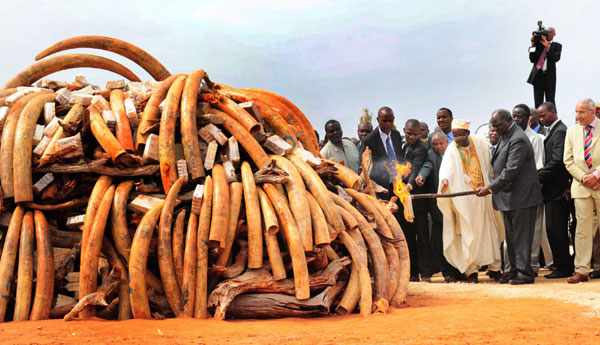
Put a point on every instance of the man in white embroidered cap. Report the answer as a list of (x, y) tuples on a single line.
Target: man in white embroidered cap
[(473, 230)]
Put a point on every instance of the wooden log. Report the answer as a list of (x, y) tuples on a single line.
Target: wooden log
[(233, 150), (189, 136), (188, 288), (220, 209), (211, 154), (261, 281), (25, 270), (204, 224), (165, 250), (277, 145), (294, 242), (140, 307), (44, 290), (97, 167), (166, 138), (8, 258), (96, 298), (23, 186), (204, 118), (270, 232), (300, 206), (88, 278), (202, 108), (123, 128), (267, 306), (235, 199), (205, 135), (178, 247), (68, 145)]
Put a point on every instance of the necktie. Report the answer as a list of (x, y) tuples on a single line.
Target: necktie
[(390, 149), (540, 62), (587, 146)]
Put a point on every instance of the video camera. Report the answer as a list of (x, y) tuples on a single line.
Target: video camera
[(541, 31)]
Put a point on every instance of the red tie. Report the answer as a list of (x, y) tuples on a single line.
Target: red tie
[(587, 146), (540, 62)]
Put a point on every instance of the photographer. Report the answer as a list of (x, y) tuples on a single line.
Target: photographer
[(544, 53)]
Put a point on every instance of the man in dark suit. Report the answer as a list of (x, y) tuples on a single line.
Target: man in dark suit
[(555, 179), (417, 232), (544, 57), (428, 178), (516, 193)]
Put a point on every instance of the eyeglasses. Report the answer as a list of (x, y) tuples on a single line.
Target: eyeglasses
[(461, 137), (582, 112)]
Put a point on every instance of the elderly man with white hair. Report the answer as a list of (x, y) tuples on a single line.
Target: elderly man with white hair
[(472, 228), (582, 160)]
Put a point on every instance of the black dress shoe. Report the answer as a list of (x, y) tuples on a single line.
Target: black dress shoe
[(414, 279), (450, 279), (520, 281), (559, 274), (595, 274), (496, 275), (426, 279), (506, 277), (473, 278)]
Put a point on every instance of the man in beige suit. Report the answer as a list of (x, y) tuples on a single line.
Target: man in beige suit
[(582, 160)]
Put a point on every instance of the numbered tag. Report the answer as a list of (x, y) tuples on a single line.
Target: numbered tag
[(467, 178)]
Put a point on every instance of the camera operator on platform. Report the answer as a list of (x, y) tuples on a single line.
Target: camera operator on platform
[(544, 53)]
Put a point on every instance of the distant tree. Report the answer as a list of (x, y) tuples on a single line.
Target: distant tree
[(367, 116)]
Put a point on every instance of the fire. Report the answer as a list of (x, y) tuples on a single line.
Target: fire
[(398, 171)]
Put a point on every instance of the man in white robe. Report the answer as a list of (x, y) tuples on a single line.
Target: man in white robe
[(472, 228)]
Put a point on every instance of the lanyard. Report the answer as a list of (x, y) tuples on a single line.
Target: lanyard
[(467, 164)]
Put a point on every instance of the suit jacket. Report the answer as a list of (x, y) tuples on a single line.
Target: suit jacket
[(554, 176), (431, 174), (516, 183), (575, 162), (379, 173), (552, 58), (416, 154)]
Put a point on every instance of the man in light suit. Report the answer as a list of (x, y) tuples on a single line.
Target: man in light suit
[(516, 193), (582, 160)]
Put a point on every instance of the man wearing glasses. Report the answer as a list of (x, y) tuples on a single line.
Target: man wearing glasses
[(581, 159)]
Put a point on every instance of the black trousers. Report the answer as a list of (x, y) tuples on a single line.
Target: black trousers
[(519, 226), (545, 85), (417, 239), (438, 259), (557, 229)]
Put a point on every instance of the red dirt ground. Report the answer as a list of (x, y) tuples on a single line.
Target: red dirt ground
[(435, 313)]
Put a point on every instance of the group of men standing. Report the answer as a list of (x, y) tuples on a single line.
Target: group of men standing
[(519, 183)]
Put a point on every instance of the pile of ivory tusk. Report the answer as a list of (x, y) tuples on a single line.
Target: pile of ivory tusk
[(141, 192)]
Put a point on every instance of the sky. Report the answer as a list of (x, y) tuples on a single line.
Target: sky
[(333, 58)]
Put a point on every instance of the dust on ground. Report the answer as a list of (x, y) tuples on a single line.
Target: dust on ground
[(547, 312)]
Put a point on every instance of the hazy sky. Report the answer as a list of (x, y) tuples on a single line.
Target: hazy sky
[(333, 58)]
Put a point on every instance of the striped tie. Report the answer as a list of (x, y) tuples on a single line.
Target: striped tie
[(587, 146)]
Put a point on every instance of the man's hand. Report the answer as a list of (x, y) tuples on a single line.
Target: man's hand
[(589, 180), (545, 42), (483, 191), (532, 40), (444, 186), (567, 194), (419, 181)]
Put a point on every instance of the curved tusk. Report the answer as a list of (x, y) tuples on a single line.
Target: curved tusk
[(117, 46), (43, 68)]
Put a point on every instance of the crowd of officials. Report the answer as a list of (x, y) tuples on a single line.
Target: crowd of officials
[(534, 188)]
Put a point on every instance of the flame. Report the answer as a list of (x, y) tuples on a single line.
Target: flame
[(398, 171)]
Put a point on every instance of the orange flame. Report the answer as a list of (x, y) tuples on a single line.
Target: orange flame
[(398, 171)]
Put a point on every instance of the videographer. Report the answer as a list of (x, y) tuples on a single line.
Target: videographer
[(543, 53)]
